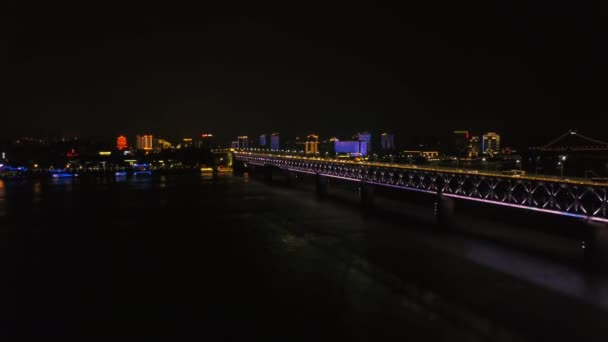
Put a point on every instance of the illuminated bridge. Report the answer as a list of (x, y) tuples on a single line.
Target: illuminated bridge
[(570, 197)]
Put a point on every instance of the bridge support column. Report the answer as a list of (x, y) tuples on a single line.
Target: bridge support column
[(366, 196), (238, 167), (444, 209), (596, 246), (268, 173), (291, 178), (321, 186)]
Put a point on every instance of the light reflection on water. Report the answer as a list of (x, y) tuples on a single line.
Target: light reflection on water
[(163, 182), (37, 191), (67, 183), (2, 199), (558, 278)]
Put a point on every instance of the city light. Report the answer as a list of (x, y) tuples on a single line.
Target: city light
[(145, 142), (121, 142)]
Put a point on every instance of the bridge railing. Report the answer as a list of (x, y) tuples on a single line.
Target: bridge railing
[(558, 196)]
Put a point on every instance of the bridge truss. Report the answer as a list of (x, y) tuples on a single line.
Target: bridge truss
[(585, 200)]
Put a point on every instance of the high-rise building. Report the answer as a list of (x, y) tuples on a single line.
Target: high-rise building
[(264, 140), (490, 145), (367, 137), (474, 147), (387, 141), (207, 141), (161, 144), (275, 142), (460, 146), (186, 142), (121, 142), (144, 142), (243, 141), (234, 144), (350, 147), (312, 144)]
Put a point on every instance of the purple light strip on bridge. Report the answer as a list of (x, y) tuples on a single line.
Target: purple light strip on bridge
[(519, 206)]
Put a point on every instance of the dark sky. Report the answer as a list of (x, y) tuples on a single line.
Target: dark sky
[(527, 71)]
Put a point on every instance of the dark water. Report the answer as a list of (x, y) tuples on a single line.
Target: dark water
[(192, 257)]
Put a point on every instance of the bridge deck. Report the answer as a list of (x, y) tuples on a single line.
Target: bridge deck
[(570, 197)]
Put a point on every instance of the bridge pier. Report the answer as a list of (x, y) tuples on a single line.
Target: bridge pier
[(267, 170), (444, 209), (321, 186), (238, 167), (291, 178), (366, 196), (596, 246)]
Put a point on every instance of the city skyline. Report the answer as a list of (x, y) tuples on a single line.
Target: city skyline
[(447, 140), (360, 171), (292, 70)]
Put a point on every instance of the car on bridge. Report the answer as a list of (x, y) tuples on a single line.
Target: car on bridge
[(514, 172)]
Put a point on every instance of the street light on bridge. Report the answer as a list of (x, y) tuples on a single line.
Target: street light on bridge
[(560, 163)]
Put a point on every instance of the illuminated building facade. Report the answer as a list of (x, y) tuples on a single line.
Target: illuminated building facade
[(367, 137), (351, 147), (490, 145), (186, 142), (426, 154), (312, 144), (387, 141), (275, 144), (264, 141), (430, 154), (243, 141), (144, 142), (474, 147), (161, 144), (121, 142), (207, 141)]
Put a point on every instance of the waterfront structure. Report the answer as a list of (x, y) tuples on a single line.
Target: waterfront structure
[(387, 141), (275, 142), (162, 144), (186, 142), (571, 154), (144, 142), (490, 145), (264, 140), (367, 138), (585, 199), (350, 147), (474, 147), (426, 154), (121, 142), (312, 144), (243, 141), (206, 141)]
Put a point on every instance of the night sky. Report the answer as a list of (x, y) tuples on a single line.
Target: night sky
[(529, 72)]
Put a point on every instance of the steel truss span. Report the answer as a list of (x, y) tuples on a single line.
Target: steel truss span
[(585, 200)]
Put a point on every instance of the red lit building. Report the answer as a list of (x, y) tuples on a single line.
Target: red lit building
[(121, 142)]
